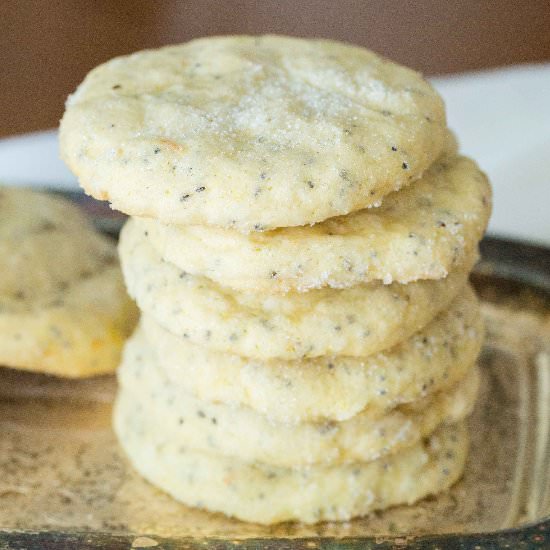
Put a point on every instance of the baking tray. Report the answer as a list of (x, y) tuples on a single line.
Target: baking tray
[(64, 482)]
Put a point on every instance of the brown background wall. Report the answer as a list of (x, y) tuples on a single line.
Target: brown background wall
[(47, 46)]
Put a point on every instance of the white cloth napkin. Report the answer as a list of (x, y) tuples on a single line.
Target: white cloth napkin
[(501, 118)]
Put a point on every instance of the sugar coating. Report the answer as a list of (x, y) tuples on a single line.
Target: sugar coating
[(240, 432), (421, 232), (270, 494), (250, 133), (325, 388), (63, 306), (356, 321)]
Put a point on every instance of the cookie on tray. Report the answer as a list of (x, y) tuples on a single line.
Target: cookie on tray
[(63, 306), (270, 494)]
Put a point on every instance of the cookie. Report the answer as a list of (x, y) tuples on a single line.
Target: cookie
[(250, 133), (63, 306), (326, 388), (357, 321), (269, 494), (422, 232), (243, 434)]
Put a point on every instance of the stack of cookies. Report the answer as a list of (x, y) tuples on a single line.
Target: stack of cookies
[(301, 237)]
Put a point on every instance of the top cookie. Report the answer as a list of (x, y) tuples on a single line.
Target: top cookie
[(251, 133)]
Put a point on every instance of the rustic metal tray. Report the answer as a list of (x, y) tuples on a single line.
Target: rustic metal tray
[(64, 482)]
